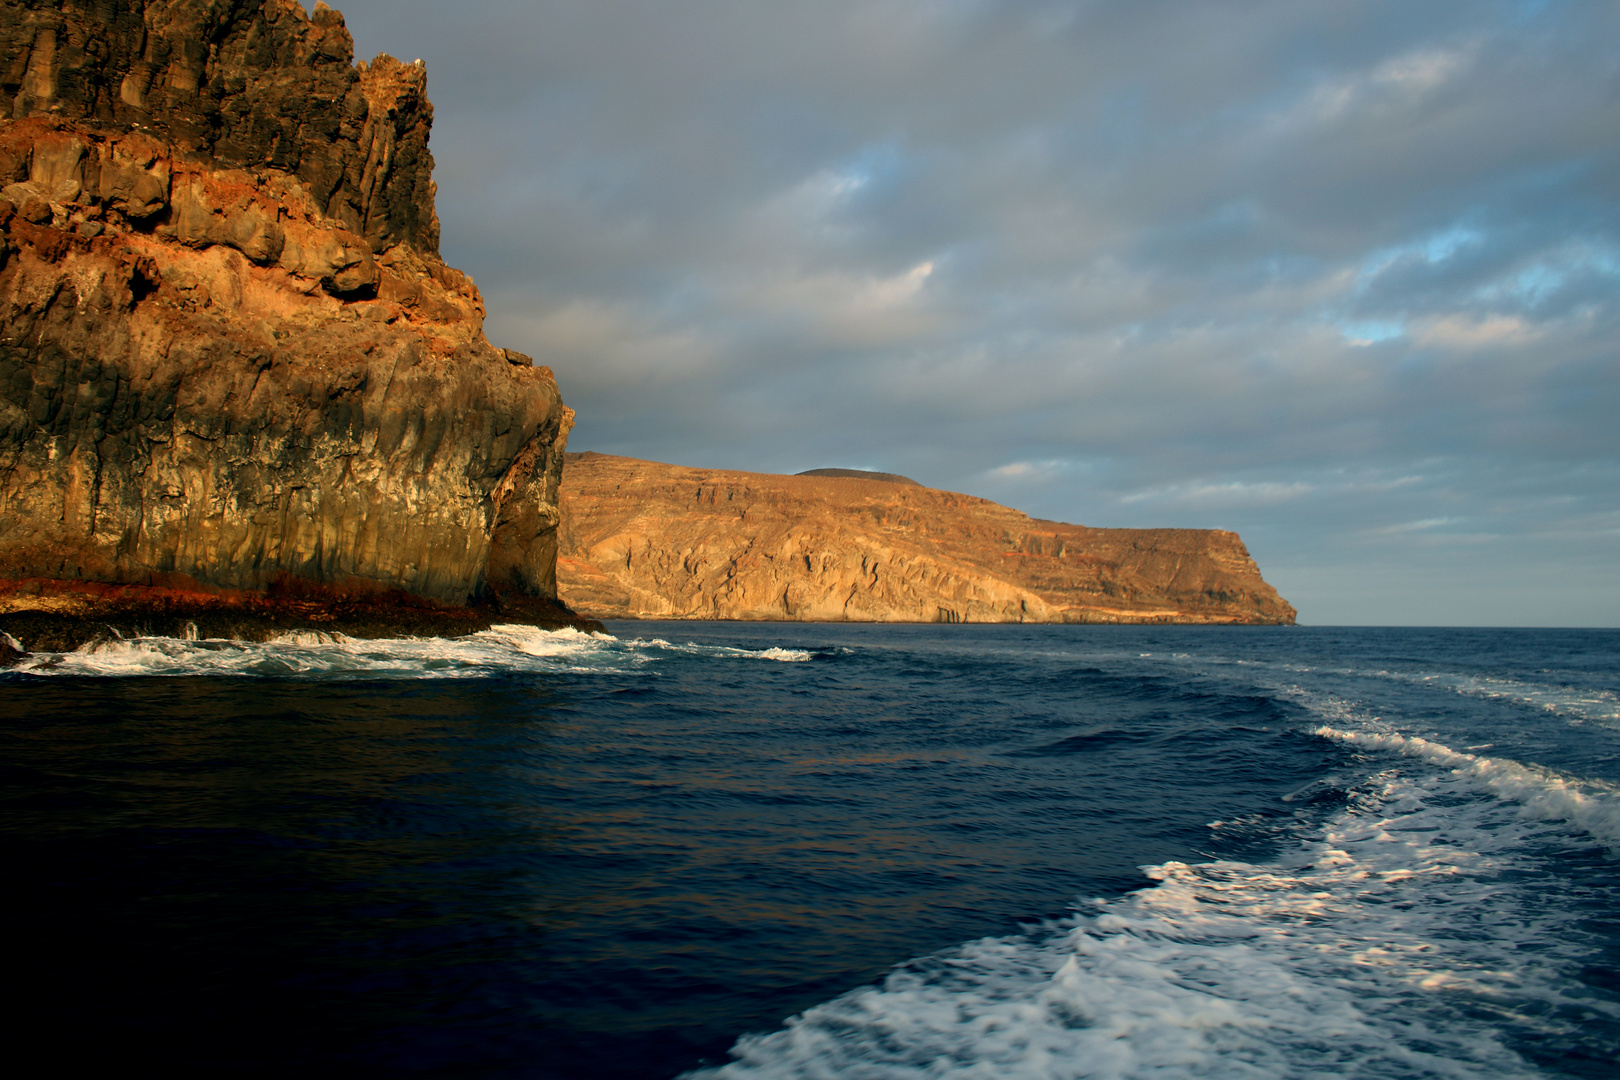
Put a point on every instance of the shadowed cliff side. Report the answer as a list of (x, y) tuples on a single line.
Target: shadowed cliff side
[(235, 375), (645, 540)]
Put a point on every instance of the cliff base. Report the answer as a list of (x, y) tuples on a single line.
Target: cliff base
[(44, 615)]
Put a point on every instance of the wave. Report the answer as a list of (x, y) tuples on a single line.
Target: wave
[(790, 656), (1407, 934), (1579, 704), (1590, 805), (1573, 702), (1353, 959), (501, 649)]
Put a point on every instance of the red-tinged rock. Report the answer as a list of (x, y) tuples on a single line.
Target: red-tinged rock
[(229, 351)]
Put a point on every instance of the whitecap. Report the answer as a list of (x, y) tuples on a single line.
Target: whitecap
[(1590, 805), (690, 648), (788, 656)]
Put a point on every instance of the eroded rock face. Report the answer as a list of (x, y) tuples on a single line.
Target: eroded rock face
[(229, 351), (249, 84), (645, 540)]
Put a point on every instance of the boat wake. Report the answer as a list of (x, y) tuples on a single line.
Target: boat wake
[(1407, 934), (1406, 938)]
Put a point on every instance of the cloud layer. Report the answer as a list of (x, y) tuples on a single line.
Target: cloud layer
[(1343, 276)]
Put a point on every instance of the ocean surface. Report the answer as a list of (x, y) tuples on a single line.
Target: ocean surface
[(785, 850)]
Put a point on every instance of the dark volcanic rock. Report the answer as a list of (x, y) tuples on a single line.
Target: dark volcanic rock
[(250, 84), (230, 356)]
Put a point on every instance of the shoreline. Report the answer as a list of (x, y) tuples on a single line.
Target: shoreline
[(44, 615)]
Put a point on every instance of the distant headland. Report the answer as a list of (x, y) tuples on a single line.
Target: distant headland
[(645, 540)]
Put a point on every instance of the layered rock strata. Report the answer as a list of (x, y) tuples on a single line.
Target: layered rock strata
[(642, 540), (235, 374)]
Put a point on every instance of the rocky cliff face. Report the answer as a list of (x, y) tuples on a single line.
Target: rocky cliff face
[(230, 355), (644, 540)]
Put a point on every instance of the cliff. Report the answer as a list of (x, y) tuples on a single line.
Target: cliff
[(645, 540), (235, 374)]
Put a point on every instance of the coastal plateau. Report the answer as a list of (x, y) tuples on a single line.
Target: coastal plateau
[(643, 540), (239, 389)]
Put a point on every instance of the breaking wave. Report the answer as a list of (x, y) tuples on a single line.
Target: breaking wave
[(499, 650), (1590, 805)]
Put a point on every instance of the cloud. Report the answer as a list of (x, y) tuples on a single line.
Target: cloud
[(1465, 332), (1410, 526), (1038, 471), (844, 309), (1224, 493), (1397, 83), (1314, 271)]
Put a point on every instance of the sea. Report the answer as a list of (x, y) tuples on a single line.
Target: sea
[(768, 850)]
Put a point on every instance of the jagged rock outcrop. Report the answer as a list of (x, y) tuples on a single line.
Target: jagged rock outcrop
[(230, 356), (645, 540)]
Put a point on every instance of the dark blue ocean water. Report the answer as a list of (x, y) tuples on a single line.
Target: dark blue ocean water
[(958, 851)]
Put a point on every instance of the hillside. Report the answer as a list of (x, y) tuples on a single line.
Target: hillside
[(639, 539)]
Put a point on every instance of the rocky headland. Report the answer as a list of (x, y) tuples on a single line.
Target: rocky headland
[(239, 389), (642, 540)]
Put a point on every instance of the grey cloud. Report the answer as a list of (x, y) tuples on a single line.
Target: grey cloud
[(1115, 262)]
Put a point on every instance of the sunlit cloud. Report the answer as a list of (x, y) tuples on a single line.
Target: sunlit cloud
[(1422, 525), (1037, 471), (1224, 493), (1465, 332)]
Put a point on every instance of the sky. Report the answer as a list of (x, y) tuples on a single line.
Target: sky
[(1342, 276)]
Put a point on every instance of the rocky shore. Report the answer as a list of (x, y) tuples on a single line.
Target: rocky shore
[(48, 616), (238, 386)]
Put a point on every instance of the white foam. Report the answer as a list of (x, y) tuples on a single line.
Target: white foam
[(1590, 805), (502, 648), (1401, 944), (288, 637), (318, 653), (1581, 704), (533, 641), (774, 652), (787, 656)]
